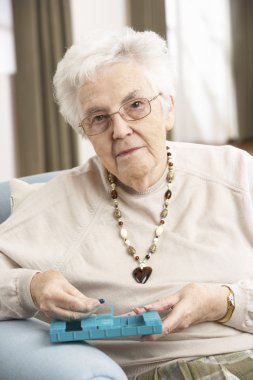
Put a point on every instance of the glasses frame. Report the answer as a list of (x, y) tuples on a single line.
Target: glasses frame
[(82, 124)]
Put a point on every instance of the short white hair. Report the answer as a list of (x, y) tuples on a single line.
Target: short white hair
[(82, 60)]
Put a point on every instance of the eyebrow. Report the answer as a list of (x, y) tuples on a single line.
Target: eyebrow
[(130, 96), (97, 109)]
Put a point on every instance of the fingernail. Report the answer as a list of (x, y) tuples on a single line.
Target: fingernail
[(101, 300)]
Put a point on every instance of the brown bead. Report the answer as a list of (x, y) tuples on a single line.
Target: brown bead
[(170, 176), (170, 163), (117, 213), (110, 178), (168, 194), (147, 257), (162, 221), (114, 194), (131, 250), (152, 248), (136, 258), (164, 213), (120, 223)]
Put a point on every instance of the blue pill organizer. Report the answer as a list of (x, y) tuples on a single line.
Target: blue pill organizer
[(105, 326)]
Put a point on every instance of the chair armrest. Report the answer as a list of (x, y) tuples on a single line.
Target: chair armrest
[(5, 207)]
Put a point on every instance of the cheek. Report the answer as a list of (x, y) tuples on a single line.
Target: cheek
[(103, 150), (155, 132), (156, 140)]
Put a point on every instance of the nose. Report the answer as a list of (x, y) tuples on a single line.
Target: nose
[(121, 128)]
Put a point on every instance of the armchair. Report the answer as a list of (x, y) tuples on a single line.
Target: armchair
[(25, 350)]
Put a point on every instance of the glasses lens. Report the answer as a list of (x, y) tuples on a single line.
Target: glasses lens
[(135, 109), (96, 124)]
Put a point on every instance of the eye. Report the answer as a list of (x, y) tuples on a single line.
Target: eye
[(97, 119), (138, 103)]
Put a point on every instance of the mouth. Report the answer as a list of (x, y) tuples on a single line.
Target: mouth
[(127, 152)]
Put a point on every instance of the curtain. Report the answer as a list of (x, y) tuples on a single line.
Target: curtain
[(42, 33), (148, 15), (242, 37), (200, 36)]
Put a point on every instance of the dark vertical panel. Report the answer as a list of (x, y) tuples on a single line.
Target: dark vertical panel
[(42, 33), (242, 42), (148, 15)]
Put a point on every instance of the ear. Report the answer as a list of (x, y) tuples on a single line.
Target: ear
[(171, 114)]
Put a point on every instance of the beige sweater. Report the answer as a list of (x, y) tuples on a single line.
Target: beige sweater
[(68, 225)]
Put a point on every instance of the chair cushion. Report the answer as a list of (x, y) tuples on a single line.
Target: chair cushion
[(5, 204), (20, 190)]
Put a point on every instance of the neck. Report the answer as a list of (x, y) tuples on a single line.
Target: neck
[(140, 183)]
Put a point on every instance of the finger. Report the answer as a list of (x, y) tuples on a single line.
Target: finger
[(138, 310), (165, 304), (77, 304), (178, 319), (64, 302), (154, 337), (80, 297), (171, 323), (71, 290), (66, 315)]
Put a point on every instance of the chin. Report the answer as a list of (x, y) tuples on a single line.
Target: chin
[(135, 175), (134, 169)]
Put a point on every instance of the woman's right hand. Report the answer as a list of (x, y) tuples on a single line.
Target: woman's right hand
[(54, 296)]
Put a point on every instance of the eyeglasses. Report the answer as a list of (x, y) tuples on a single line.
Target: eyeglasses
[(132, 110)]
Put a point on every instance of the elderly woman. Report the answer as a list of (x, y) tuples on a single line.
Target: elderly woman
[(146, 224)]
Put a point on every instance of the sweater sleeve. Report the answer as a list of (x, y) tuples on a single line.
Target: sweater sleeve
[(40, 235), (15, 301), (242, 318)]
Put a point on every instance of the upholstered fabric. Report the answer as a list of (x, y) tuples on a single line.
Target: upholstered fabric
[(5, 204)]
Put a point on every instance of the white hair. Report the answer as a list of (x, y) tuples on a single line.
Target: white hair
[(81, 62)]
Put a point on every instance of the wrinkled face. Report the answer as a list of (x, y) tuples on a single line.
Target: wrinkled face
[(134, 151)]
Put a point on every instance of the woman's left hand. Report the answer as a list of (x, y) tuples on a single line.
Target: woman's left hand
[(194, 303)]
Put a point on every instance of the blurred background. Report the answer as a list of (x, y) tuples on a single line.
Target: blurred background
[(212, 46)]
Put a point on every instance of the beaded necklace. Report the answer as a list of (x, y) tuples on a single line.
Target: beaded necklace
[(142, 273)]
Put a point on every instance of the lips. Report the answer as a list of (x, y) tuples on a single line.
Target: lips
[(127, 152)]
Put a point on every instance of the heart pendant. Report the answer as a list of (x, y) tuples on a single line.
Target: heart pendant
[(141, 275)]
